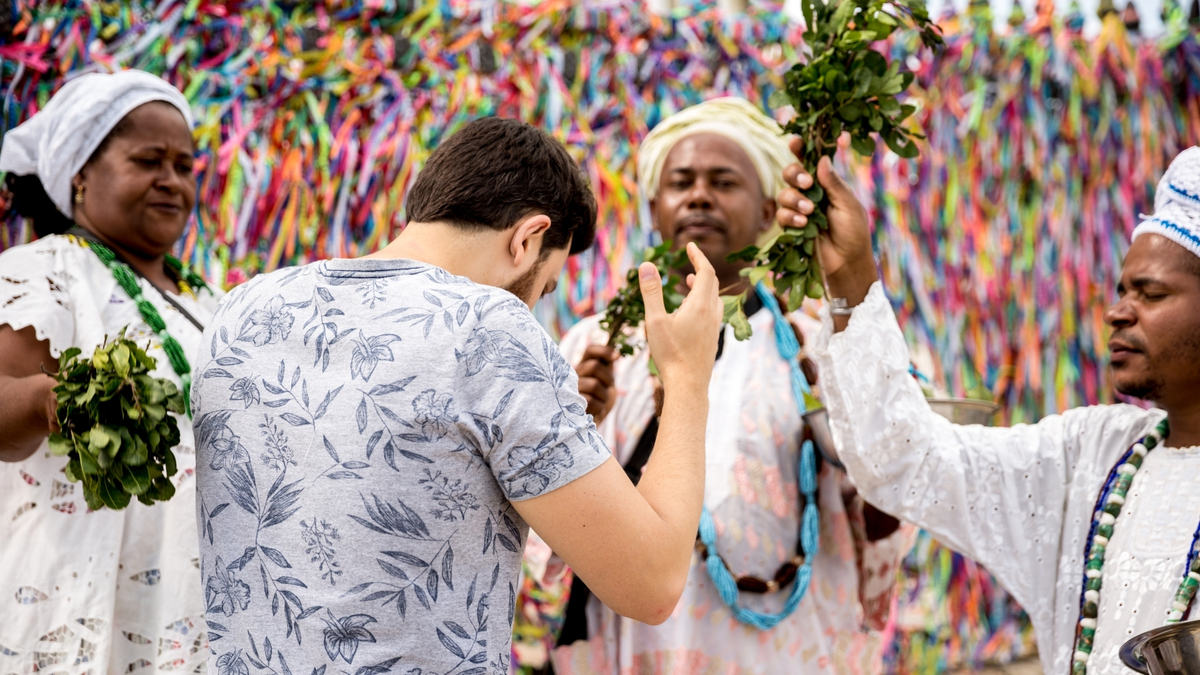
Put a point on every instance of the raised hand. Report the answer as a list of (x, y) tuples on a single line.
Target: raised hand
[(845, 250), (683, 344)]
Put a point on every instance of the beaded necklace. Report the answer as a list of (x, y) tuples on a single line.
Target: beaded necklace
[(1104, 517), (128, 281), (806, 468)]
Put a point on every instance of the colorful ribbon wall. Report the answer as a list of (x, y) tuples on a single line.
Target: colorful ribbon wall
[(314, 121), (1002, 243)]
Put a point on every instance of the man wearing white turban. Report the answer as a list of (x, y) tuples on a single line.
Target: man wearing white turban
[(104, 169), (1088, 518), (708, 173)]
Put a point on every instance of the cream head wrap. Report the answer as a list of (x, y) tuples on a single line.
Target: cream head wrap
[(1177, 203), (734, 118), (56, 142)]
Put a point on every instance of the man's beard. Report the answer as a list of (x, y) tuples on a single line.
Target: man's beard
[(1149, 389), (523, 286)]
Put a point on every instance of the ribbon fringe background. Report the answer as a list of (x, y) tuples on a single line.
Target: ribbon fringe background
[(1000, 245)]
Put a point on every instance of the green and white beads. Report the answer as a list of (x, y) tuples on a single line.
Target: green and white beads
[(1108, 509), (128, 282)]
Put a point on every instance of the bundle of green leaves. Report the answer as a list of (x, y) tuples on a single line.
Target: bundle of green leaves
[(627, 309), (114, 424), (843, 86)]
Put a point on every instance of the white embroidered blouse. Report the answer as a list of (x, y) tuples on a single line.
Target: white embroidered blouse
[(106, 591)]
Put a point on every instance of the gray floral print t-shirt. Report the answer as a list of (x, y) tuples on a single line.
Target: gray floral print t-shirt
[(361, 429)]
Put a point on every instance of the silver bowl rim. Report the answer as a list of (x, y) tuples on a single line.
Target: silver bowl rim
[(967, 402), (1131, 651)]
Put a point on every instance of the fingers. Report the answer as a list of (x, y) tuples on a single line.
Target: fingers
[(789, 218), (595, 408), (600, 353), (651, 285), (795, 144), (840, 195), (793, 208), (796, 176), (791, 198), (593, 389), (596, 370), (706, 277), (691, 280)]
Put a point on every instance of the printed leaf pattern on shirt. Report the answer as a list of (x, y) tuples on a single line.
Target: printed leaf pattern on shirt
[(360, 434)]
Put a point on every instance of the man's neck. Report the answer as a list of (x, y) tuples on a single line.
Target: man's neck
[(1184, 420), (460, 252)]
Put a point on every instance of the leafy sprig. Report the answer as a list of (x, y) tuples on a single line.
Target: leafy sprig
[(627, 309), (114, 424), (843, 86)]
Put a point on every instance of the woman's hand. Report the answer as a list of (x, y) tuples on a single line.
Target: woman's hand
[(27, 400)]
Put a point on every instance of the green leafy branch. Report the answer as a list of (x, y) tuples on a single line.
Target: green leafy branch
[(844, 86), (114, 424), (627, 309)]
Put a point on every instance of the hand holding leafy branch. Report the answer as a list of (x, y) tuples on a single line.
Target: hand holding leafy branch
[(115, 424), (844, 86)]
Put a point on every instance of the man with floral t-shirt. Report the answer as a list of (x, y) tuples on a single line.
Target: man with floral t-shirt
[(374, 434)]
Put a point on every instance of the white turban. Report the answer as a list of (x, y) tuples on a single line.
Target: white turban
[(734, 118), (1177, 203), (56, 142)]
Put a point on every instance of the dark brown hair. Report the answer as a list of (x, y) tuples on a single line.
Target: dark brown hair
[(496, 171)]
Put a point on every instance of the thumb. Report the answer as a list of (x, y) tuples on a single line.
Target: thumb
[(652, 293), (839, 192)]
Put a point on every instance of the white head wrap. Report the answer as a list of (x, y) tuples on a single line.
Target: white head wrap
[(56, 142), (734, 118), (1177, 203)]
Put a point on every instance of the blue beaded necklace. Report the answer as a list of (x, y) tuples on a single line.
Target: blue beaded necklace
[(1104, 518), (789, 349)]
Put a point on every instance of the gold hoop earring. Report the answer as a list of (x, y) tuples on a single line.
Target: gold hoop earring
[(79, 195)]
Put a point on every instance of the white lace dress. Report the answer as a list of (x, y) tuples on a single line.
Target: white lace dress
[(107, 591), (1018, 500)]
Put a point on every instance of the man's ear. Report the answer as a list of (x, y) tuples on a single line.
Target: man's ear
[(528, 238), (768, 215)]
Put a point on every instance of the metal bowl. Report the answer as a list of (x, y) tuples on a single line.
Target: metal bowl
[(965, 410), (1173, 649), (818, 422)]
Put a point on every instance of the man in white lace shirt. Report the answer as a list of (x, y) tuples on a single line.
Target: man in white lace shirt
[(708, 172), (1110, 494)]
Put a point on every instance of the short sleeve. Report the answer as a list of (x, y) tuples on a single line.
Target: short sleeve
[(530, 423), (34, 292)]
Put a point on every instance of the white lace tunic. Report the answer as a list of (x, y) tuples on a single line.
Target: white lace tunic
[(1018, 500), (107, 591)]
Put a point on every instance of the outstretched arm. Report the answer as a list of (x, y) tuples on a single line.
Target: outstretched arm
[(996, 495)]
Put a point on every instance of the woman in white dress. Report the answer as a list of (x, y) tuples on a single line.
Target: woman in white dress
[(104, 171)]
